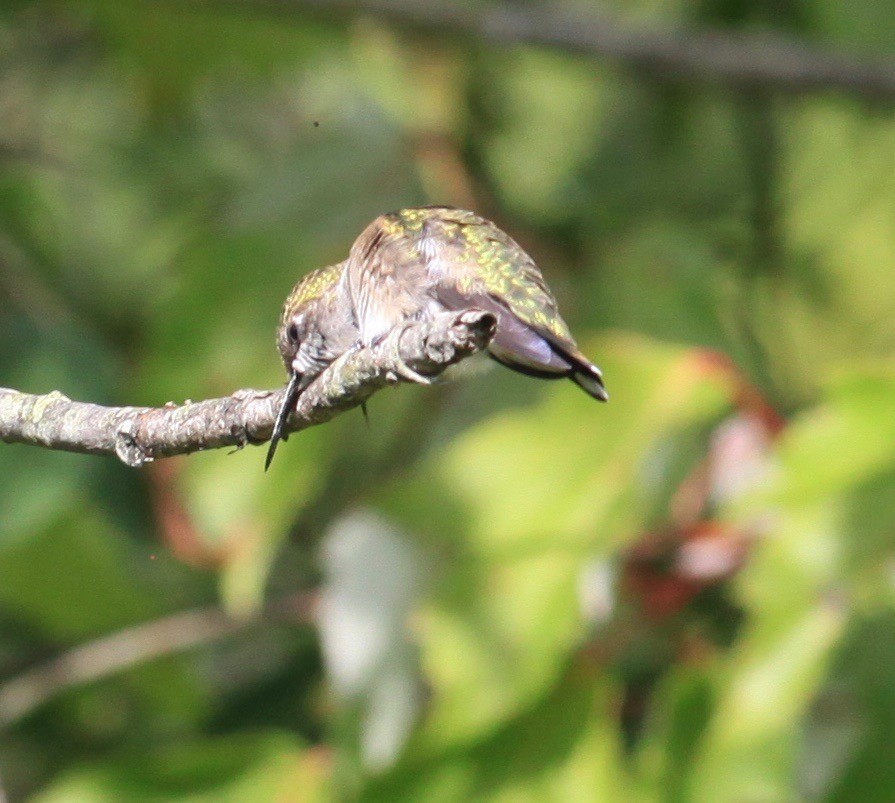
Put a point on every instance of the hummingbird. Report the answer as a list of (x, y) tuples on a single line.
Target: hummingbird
[(317, 326), (416, 262)]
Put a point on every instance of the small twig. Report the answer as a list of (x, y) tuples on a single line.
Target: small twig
[(138, 435), (742, 59), (127, 648)]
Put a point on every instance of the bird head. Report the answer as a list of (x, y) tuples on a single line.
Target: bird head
[(316, 327)]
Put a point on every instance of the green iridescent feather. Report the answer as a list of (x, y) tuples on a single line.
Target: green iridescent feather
[(313, 286), (486, 261)]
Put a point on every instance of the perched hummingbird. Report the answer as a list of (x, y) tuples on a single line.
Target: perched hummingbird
[(413, 263), (316, 327)]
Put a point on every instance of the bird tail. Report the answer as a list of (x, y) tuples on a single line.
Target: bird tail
[(583, 372), (564, 362), (531, 350), (590, 380)]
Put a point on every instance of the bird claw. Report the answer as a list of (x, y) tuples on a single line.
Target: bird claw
[(402, 369), (406, 372)]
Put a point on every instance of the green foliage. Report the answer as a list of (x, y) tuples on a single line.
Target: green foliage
[(685, 594)]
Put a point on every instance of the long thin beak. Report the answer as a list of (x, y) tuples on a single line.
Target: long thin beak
[(279, 428)]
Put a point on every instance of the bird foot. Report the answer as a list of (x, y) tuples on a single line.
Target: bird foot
[(406, 372), (403, 370)]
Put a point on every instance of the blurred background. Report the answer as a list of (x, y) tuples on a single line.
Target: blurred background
[(498, 590)]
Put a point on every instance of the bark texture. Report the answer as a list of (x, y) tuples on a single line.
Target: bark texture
[(138, 435)]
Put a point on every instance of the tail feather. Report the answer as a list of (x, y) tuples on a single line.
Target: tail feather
[(579, 369), (591, 382), (529, 349), (584, 373)]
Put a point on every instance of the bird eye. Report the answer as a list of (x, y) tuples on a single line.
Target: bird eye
[(292, 333)]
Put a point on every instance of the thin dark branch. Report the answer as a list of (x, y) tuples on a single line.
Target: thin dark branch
[(136, 645), (138, 435), (742, 59)]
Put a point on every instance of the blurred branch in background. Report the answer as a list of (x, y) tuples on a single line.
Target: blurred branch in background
[(138, 435), (715, 56), (135, 645)]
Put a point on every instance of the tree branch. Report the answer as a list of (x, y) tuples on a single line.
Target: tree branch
[(741, 59), (138, 435)]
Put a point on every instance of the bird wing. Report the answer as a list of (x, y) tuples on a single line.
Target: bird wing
[(387, 277), (473, 263)]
